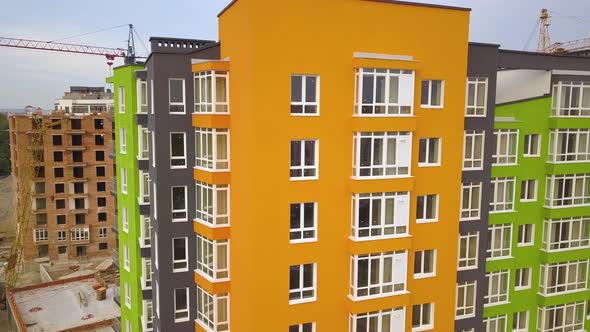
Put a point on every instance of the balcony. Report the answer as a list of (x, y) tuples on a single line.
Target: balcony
[(116, 258)]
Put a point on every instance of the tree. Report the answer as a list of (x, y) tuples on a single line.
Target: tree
[(4, 146)]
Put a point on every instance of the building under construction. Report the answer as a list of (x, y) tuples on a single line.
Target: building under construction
[(63, 181)]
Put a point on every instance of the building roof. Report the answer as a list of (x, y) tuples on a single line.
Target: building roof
[(56, 306)]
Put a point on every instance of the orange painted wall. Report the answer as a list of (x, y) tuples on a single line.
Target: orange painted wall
[(267, 41)]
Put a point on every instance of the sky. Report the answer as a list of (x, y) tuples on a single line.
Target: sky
[(39, 77)]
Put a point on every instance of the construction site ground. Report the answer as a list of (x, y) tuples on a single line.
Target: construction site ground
[(7, 230)]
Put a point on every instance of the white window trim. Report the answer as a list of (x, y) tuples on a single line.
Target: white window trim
[(429, 326), (183, 157), (407, 101), (576, 157), (144, 318), (170, 103), (144, 278), (145, 235), (497, 319), (436, 209), (301, 326), (505, 180), (395, 256), (528, 281), (213, 103), (214, 216), (215, 300), (466, 306), (183, 311), (127, 295), (121, 100), (302, 229), (215, 269), (475, 81), (140, 91), (180, 261), (103, 232), (499, 274), (125, 219), (144, 189), (535, 195), (304, 167), (203, 157), (442, 95), (473, 134), (379, 315), (401, 217), (504, 228), (143, 147), (512, 135), (303, 102), (470, 187), (520, 243), (184, 210), (122, 140), (468, 238), (557, 111), (407, 163), (301, 288), (422, 275), (439, 154), (64, 233), (525, 153), (126, 258), (569, 243), (581, 285), (551, 202), (123, 180), (527, 320), (575, 326)]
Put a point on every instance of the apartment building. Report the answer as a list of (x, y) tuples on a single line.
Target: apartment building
[(131, 153), (327, 168), (538, 247), (85, 100), (72, 208)]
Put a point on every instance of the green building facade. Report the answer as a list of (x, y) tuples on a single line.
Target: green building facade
[(539, 227)]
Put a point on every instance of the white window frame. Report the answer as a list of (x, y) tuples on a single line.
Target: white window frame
[(499, 234), (144, 187), (425, 202), (465, 306), (523, 231), (465, 260), (403, 103), (375, 320), (208, 305), (564, 271), (184, 311), (182, 158), (471, 201), (125, 219), (206, 84), (528, 150), (153, 148), (576, 228), (145, 236), (517, 319), (121, 100), (303, 289), (388, 282), (400, 167), (495, 295), (473, 158), (429, 104), (62, 235), (208, 207), (143, 143), (505, 140), (423, 326), (302, 167), (123, 180), (501, 187), (477, 84), (524, 189), (147, 272), (142, 91), (126, 258), (41, 235), (122, 141), (523, 278), (102, 232), (156, 252), (127, 295), (422, 265), (181, 261), (304, 103), (302, 327), (210, 259), (380, 225), (147, 320), (499, 322), (563, 108), (578, 181), (428, 141), (209, 159), (300, 234), (183, 103), (577, 152), (79, 234), (544, 314), (181, 210)]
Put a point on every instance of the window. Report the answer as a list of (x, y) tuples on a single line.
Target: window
[(57, 140), (101, 186), (80, 218), (99, 139), (495, 324), (58, 156), (125, 219), (58, 172), (304, 159), (103, 246), (142, 96), (39, 188), (144, 187), (497, 291), (473, 148), (432, 93), (147, 318), (212, 204), (98, 124), (384, 320), (477, 93), (526, 235), (179, 204), (122, 141), (78, 187), (56, 123), (466, 293), (121, 100), (143, 143), (146, 273), (213, 258), (60, 219), (532, 145), (99, 155), (564, 277), (39, 204), (126, 258), (429, 152), (76, 124), (41, 218), (378, 274), (156, 248), (427, 208), (77, 140), (380, 215), (567, 190), (211, 92), (212, 311), (520, 321), (102, 216), (100, 171), (60, 204), (305, 95), (145, 231), (425, 264), (78, 171), (571, 99), (41, 234), (128, 301), (177, 150), (77, 156), (502, 199), (522, 278), (471, 201), (305, 327), (505, 147), (384, 92), (302, 283), (153, 149), (528, 190), (569, 145), (123, 180), (177, 96), (303, 222), (181, 303), (155, 200), (423, 317), (102, 232), (179, 254), (382, 154), (499, 241), (566, 233), (563, 317), (212, 149)]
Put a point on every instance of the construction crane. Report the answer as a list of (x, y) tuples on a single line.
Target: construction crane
[(544, 40)]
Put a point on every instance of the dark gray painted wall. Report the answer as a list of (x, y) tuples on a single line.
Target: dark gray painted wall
[(160, 67)]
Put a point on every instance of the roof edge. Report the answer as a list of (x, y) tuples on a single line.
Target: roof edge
[(226, 7), (484, 44), (420, 4), (560, 55)]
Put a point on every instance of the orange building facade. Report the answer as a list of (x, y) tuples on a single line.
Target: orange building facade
[(332, 194)]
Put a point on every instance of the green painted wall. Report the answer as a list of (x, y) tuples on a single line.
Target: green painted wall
[(125, 77), (533, 117)]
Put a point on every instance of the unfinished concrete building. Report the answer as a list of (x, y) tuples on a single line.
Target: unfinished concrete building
[(85, 100)]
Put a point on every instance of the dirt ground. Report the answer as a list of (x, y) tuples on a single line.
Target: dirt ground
[(6, 228)]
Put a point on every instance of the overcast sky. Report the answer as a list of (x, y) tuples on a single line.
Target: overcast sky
[(39, 77)]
